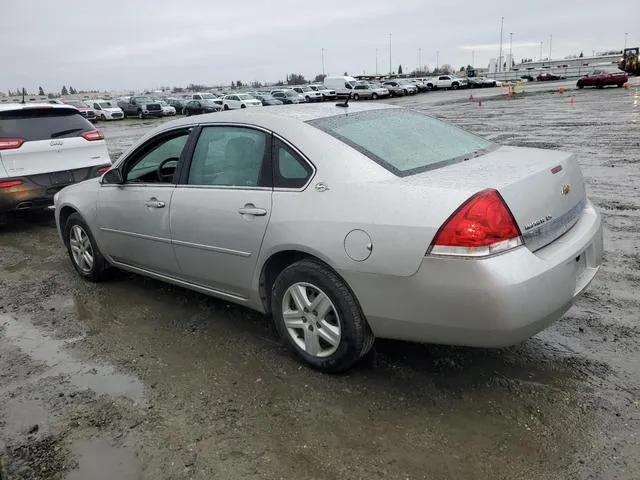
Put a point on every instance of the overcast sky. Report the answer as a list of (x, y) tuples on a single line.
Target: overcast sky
[(135, 44)]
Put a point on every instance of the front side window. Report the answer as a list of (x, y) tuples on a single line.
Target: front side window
[(158, 162), (402, 141), (229, 156)]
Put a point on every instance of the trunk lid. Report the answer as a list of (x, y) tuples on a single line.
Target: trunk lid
[(544, 189)]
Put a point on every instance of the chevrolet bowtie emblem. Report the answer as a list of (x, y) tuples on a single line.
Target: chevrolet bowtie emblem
[(566, 188)]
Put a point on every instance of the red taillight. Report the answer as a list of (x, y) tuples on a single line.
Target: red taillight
[(482, 226), (10, 143), (10, 183), (93, 135), (102, 170)]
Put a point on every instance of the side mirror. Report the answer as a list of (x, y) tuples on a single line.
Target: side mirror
[(112, 177)]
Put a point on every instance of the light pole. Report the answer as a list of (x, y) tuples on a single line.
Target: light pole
[(625, 41), (376, 61), (500, 55), (473, 58), (323, 62), (438, 60), (420, 59), (540, 57), (550, 43), (510, 50), (390, 63)]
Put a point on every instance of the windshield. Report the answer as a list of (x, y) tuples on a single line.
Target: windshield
[(244, 96), (208, 96), (402, 141), (143, 99), (291, 93), (106, 105)]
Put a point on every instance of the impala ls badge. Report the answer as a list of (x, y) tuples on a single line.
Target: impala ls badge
[(537, 223), (566, 188)]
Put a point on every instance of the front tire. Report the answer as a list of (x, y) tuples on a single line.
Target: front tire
[(318, 316), (580, 85), (356, 96), (454, 86), (374, 96), (243, 106), (226, 107), (140, 114), (83, 250)]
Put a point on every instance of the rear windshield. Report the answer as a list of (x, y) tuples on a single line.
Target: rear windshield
[(403, 141), (43, 124)]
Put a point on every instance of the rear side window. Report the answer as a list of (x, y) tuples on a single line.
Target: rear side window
[(403, 141), (290, 171), (33, 124)]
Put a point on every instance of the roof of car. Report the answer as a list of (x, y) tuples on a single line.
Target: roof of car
[(274, 115), (26, 106)]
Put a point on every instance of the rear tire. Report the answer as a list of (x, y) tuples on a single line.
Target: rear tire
[(243, 106), (374, 96), (226, 107), (454, 86), (580, 85), (140, 114), (351, 336), (356, 96), (620, 85), (80, 243)]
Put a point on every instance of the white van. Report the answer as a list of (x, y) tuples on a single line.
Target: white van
[(343, 85)]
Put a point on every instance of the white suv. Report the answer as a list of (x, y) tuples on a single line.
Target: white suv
[(44, 148), (309, 94)]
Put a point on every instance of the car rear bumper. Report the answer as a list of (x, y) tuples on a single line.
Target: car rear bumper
[(492, 302), (37, 191)]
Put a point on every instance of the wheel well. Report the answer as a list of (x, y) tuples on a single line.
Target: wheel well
[(272, 268), (65, 212)]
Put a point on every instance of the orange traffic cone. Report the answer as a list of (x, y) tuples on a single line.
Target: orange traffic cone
[(627, 85), (571, 99), (561, 90), (510, 92)]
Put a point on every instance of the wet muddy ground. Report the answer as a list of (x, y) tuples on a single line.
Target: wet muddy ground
[(134, 379)]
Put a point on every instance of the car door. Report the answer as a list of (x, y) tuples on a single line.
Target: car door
[(221, 208), (133, 216)]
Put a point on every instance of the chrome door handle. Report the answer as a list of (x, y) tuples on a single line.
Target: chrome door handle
[(250, 209), (154, 203)]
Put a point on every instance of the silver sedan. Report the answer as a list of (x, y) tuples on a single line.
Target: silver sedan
[(345, 224)]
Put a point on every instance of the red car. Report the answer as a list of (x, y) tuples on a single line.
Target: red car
[(602, 78)]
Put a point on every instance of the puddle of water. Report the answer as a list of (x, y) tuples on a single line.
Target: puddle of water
[(98, 460), (102, 379)]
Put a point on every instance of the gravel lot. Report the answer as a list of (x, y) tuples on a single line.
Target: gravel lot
[(136, 379)]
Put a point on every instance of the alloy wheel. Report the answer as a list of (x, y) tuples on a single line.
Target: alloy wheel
[(311, 319), (81, 248)]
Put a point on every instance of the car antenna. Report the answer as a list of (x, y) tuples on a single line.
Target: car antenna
[(23, 92), (346, 102)]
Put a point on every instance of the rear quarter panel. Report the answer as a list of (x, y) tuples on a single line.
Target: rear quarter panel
[(400, 217)]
